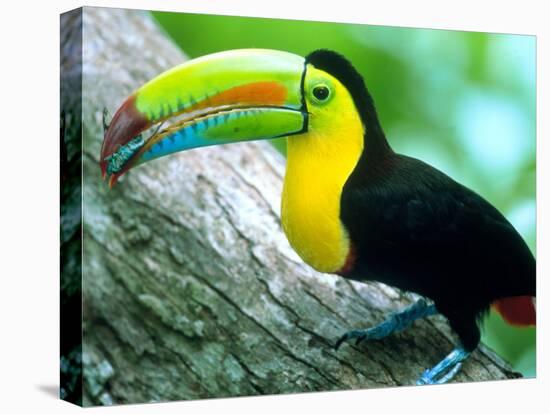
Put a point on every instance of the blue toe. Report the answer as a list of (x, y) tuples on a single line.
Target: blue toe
[(445, 370)]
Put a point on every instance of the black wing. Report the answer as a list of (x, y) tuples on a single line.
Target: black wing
[(417, 229)]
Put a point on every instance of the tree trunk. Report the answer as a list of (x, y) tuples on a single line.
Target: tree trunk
[(190, 289)]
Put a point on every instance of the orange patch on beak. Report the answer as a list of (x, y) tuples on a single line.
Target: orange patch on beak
[(251, 94)]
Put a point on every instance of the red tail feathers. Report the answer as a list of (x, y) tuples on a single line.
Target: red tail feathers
[(517, 310)]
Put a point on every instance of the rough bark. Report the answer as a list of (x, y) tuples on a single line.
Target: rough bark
[(190, 289)]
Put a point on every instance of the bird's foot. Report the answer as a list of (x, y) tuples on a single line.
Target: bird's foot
[(394, 323), (445, 370), (357, 334)]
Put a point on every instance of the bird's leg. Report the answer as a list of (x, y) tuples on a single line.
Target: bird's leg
[(395, 323), (446, 369)]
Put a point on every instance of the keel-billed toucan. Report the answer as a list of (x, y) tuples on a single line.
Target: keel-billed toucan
[(350, 204)]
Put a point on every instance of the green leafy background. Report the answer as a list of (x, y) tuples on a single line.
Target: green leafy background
[(461, 101)]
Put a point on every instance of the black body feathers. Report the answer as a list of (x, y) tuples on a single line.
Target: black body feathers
[(415, 228)]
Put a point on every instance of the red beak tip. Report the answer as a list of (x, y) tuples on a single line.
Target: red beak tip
[(112, 181), (103, 166)]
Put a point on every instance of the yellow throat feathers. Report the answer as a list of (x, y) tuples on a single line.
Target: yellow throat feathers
[(318, 165)]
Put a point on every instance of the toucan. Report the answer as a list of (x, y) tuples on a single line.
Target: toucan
[(350, 205)]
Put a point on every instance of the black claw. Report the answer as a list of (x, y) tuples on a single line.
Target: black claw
[(358, 335), (340, 341)]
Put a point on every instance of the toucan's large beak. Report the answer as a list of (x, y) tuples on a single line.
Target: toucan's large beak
[(225, 97)]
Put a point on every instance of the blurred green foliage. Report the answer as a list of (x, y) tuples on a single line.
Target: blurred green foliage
[(461, 101)]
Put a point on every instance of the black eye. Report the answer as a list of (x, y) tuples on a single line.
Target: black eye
[(321, 92)]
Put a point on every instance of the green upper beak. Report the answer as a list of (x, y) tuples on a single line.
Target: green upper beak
[(225, 97)]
